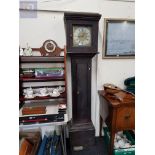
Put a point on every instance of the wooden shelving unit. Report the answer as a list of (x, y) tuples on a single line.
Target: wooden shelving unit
[(51, 103), (42, 59)]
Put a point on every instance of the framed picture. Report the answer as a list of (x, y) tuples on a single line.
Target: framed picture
[(119, 38)]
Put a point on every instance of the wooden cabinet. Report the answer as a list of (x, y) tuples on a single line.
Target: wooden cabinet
[(121, 116)]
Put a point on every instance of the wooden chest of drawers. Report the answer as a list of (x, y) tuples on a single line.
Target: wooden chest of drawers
[(121, 116)]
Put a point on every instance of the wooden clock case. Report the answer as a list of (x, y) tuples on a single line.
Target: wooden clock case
[(81, 128)]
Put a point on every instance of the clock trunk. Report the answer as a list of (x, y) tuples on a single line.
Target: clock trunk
[(81, 91)]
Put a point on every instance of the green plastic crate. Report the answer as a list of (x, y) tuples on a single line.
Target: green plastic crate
[(123, 151)]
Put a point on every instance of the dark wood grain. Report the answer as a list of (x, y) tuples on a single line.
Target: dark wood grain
[(81, 81), (41, 59)]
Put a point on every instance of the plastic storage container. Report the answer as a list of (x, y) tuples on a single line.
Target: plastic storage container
[(121, 151)]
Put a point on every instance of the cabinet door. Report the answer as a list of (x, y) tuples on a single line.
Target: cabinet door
[(125, 118), (81, 89)]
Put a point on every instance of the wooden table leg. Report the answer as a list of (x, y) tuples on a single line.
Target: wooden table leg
[(101, 124), (112, 136)]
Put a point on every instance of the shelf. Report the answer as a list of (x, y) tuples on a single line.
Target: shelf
[(29, 126), (63, 95), (43, 79), (41, 59), (51, 109), (49, 86)]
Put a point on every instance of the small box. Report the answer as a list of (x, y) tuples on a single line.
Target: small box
[(49, 72)]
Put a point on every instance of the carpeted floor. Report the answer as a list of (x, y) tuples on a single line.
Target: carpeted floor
[(100, 148)]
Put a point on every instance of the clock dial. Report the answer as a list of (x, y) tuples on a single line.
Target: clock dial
[(81, 36), (49, 46)]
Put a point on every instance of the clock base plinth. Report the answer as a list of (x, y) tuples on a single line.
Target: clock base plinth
[(81, 135)]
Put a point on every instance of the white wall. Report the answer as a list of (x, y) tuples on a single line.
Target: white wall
[(50, 25), (113, 70)]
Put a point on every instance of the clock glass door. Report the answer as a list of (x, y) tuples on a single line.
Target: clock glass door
[(81, 36)]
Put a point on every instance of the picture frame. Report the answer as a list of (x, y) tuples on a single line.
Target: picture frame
[(119, 38)]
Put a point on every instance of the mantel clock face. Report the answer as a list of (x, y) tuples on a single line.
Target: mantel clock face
[(81, 36), (49, 46)]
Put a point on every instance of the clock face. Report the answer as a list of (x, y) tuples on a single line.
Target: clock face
[(81, 36), (49, 46)]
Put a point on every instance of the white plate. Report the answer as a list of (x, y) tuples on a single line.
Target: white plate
[(42, 95), (29, 97), (54, 95)]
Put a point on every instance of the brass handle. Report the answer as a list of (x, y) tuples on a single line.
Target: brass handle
[(78, 92)]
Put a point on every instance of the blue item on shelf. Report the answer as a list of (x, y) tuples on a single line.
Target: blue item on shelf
[(48, 146), (42, 146), (54, 144)]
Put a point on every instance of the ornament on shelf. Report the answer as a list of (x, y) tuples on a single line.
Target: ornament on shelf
[(49, 48), (21, 51), (27, 51)]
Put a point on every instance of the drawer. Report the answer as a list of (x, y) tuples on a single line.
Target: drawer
[(125, 118)]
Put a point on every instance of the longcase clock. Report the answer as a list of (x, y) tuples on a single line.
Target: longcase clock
[(82, 43)]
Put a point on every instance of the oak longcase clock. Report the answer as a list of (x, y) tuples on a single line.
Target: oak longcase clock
[(82, 42)]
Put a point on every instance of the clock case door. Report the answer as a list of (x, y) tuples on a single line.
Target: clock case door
[(81, 89)]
